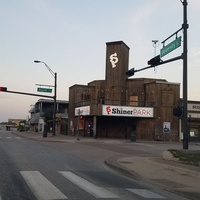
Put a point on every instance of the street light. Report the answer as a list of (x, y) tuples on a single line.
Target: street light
[(54, 74)]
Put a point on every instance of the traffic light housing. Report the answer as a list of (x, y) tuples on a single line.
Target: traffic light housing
[(154, 61), (4, 89), (130, 72), (178, 111)]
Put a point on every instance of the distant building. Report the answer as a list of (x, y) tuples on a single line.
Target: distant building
[(44, 108), (16, 121)]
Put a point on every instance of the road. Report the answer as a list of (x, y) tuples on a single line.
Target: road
[(31, 170)]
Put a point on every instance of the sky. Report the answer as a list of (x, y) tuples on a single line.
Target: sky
[(70, 36)]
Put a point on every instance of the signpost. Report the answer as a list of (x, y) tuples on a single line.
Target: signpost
[(44, 90), (170, 47)]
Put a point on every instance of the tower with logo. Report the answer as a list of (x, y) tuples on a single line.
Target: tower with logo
[(117, 60)]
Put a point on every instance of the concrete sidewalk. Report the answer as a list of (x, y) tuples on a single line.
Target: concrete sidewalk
[(162, 171), (65, 138)]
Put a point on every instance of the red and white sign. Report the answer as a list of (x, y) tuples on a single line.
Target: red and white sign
[(126, 111)]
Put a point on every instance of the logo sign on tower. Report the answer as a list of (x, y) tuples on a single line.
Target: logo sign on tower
[(114, 60)]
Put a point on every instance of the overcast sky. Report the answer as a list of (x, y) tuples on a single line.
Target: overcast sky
[(71, 35)]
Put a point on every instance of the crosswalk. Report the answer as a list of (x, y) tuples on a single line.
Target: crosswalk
[(145, 193), (96, 191), (43, 189)]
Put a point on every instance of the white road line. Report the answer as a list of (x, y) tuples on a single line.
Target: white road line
[(41, 187), (18, 138), (0, 197), (94, 190), (145, 193), (9, 137)]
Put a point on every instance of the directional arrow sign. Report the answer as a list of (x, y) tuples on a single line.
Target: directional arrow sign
[(170, 47), (44, 90)]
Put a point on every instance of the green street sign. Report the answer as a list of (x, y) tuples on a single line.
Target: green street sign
[(44, 90), (170, 47)]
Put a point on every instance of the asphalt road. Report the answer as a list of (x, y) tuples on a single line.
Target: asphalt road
[(31, 170)]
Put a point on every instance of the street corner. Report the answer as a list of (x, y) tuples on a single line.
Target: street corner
[(168, 162), (118, 162)]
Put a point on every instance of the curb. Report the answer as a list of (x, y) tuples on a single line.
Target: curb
[(112, 162)]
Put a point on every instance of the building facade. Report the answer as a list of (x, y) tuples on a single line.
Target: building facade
[(42, 109), (193, 121), (118, 106)]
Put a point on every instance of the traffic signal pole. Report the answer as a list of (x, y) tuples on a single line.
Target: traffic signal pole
[(157, 61), (132, 71), (29, 94), (185, 110)]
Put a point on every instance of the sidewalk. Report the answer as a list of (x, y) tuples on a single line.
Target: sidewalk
[(167, 174), (64, 138)]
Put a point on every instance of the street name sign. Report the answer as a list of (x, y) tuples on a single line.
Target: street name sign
[(44, 90), (170, 47)]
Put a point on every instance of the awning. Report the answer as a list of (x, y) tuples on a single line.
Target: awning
[(34, 120)]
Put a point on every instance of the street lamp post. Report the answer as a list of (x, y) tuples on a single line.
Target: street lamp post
[(54, 74)]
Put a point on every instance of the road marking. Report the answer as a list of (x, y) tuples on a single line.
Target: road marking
[(41, 187), (145, 193), (9, 137), (94, 190), (0, 197), (18, 138)]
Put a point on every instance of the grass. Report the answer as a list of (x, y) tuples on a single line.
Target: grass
[(191, 157)]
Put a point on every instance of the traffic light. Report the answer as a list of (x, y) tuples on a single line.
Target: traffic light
[(3, 89), (178, 111), (130, 72), (154, 61), (80, 117)]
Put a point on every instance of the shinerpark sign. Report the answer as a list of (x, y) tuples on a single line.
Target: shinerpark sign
[(170, 47), (126, 111)]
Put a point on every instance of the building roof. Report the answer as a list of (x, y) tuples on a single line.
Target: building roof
[(117, 42), (51, 100)]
